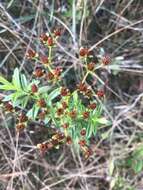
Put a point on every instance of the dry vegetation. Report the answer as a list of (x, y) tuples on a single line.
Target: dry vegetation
[(114, 26)]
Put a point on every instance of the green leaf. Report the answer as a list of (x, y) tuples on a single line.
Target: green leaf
[(75, 98), (24, 101), (54, 94), (16, 79), (89, 131), (17, 97), (32, 113), (111, 167), (103, 121), (4, 81), (43, 89), (137, 165), (24, 82), (105, 135), (138, 153), (47, 119), (7, 98), (7, 87)]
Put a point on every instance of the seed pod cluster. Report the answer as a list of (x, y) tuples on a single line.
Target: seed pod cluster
[(31, 54), (85, 52), (8, 107), (55, 140)]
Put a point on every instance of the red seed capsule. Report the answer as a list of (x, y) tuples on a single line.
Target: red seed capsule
[(42, 115), (82, 87), (69, 140), (8, 107), (57, 71), (65, 125), (60, 111), (90, 66), (34, 88), (22, 117), (41, 103), (88, 153), (64, 91), (85, 115), (50, 41), (64, 105), (57, 32), (20, 127), (38, 72), (43, 147), (49, 145), (73, 114), (44, 37), (100, 93), (92, 106), (83, 132), (61, 136), (88, 93), (30, 54), (82, 142), (44, 59), (55, 142), (106, 60), (83, 52), (49, 76)]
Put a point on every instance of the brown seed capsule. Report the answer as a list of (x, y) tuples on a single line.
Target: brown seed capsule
[(83, 132), (83, 52), (42, 115), (91, 66), (61, 136), (44, 59), (82, 142), (92, 106), (60, 111), (55, 142), (8, 107), (64, 91), (43, 147), (69, 140), (57, 32), (55, 137), (106, 60), (65, 125), (50, 76), (100, 93), (88, 93), (73, 114), (88, 153), (38, 72), (41, 103), (22, 118), (43, 37), (20, 127), (89, 52), (85, 115), (50, 41), (82, 87), (30, 54), (64, 105), (57, 71), (49, 145), (34, 88)]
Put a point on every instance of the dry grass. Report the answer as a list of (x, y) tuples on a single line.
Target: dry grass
[(116, 26)]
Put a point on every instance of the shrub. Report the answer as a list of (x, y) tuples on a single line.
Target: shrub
[(54, 104)]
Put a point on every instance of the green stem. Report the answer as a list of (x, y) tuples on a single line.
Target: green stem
[(50, 55)]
